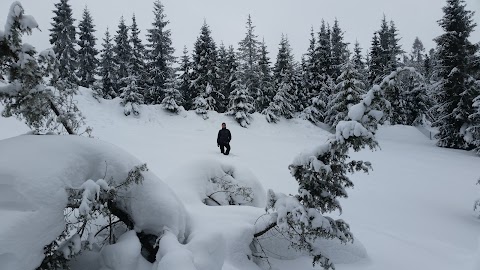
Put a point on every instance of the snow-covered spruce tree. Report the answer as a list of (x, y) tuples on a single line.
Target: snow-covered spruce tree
[(131, 95), (266, 78), (323, 176), (359, 63), (223, 77), (107, 86), (137, 60), (172, 100), (315, 107), (339, 54), (87, 54), (248, 57), (456, 55), (122, 55), (63, 39), (183, 79), (415, 98), (160, 55), (348, 91), (204, 75), (241, 103), (285, 84), (323, 69), (375, 67), (25, 95), (417, 56)]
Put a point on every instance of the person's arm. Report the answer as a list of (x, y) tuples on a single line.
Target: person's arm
[(229, 136), (218, 138)]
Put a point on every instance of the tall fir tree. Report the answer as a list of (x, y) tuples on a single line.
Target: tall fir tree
[(223, 76), (63, 39), (375, 66), (359, 63), (122, 56), (348, 91), (107, 88), (417, 56), (204, 76), (456, 57), (241, 102), (137, 60), (266, 78), (282, 103), (160, 55), (248, 57), (339, 53), (87, 54), (184, 80)]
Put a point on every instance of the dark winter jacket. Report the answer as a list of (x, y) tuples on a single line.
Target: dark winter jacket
[(224, 136)]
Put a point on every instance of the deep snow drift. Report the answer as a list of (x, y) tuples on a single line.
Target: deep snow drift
[(414, 210)]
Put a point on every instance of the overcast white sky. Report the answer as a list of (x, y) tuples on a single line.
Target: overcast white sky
[(359, 19)]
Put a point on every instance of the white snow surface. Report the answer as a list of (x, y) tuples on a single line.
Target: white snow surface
[(413, 211)]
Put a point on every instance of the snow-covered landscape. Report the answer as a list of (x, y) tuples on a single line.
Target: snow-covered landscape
[(120, 151), (414, 210)]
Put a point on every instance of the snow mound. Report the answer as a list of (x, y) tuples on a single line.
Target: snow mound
[(35, 172), (214, 182)]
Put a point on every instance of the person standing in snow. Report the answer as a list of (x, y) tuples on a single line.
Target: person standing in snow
[(223, 139)]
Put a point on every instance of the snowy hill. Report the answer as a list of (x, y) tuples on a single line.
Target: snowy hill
[(413, 211)]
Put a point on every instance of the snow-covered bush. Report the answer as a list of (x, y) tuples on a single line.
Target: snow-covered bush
[(88, 207)]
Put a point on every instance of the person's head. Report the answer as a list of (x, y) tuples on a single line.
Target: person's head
[(224, 125)]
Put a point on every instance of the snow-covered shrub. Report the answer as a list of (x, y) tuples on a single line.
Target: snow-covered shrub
[(88, 209), (225, 190)]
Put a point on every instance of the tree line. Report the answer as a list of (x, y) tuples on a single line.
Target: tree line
[(443, 90)]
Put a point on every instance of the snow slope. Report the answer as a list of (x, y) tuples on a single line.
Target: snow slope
[(413, 211)]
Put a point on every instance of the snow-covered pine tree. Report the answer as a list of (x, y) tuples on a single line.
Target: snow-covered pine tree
[(375, 66), (25, 94), (107, 86), (63, 40), (315, 106), (266, 78), (131, 95), (417, 56), (241, 102), (248, 57), (285, 84), (204, 76), (223, 74), (348, 92), (339, 54), (172, 100), (455, 95), (359, 63), (183, 79), (122, 56), (323, 67), (87, 54), (417, 101), (137, 60), (160, 55)]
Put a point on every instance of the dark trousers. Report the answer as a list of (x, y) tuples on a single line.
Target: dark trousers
[(225, 145)]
